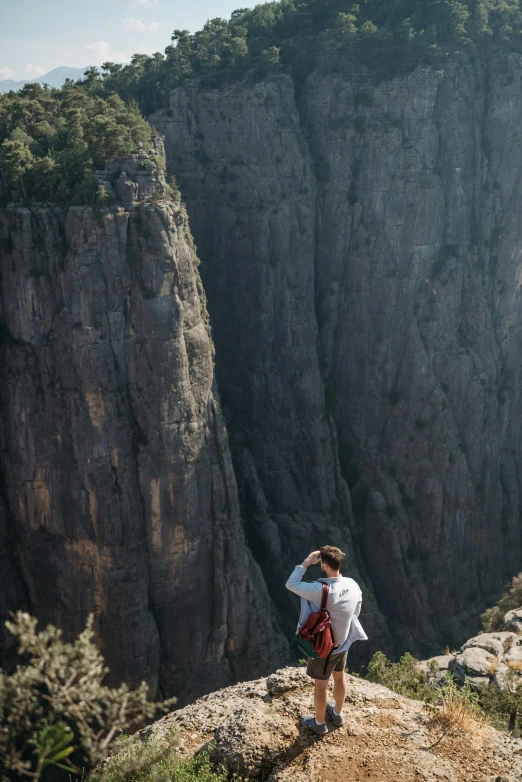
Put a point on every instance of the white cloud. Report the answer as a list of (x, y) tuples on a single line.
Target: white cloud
[(145, 48), (31, 71), (101, 52), (6, 73), (137, 24), (147, 2)]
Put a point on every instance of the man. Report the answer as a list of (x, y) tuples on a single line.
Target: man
[(344, 605)]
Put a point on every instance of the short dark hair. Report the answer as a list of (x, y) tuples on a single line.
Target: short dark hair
[(332, 556)]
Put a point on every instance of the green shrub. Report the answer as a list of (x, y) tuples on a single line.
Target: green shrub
[(504, 706), (55, 709), (159, 161), (174, 191), (492, 618), (155, 761), (404, 677), (452, 704)]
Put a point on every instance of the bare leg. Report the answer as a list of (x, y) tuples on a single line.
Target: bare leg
[(320, 699), (339, 678)]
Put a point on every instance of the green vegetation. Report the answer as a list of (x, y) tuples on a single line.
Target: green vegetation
[(298, 36), (51, 141), (452, 706), (492, 618), (154, 761), (55, 710), (405, 677), (502, 707), (59, 721)]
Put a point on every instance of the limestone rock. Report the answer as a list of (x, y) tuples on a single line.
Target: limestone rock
[(287, 679), (253, 738), (442, 661), (495, 643), (488, 657), (513, 621), (134, 178), (513, 654), (503, 676), (474, 662)]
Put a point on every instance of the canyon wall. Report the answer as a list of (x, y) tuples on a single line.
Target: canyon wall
[(118, 495), (360, 249)]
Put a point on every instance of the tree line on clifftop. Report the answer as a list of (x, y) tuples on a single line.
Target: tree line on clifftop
[(388, 37), (52, 140)]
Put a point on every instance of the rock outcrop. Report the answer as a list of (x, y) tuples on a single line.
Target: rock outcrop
[(118, 495), (360, 249), (513, 621), (487, 658), (254, 729)]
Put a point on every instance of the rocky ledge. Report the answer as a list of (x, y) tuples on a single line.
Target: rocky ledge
[(253, 728), (488, 657)]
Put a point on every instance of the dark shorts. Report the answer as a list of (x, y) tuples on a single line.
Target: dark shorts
[(315, 668)]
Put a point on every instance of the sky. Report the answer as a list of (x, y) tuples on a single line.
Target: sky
[(39, 35)]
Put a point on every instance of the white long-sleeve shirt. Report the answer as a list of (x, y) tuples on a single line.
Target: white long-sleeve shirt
[(344, 604)]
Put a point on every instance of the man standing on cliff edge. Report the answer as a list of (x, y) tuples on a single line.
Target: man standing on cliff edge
[(344, 605)]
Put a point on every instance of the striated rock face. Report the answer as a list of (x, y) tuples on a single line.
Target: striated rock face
[(254, 729), (251, 191), (118, 495), (361, 255)]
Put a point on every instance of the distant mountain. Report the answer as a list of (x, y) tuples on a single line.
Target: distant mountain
[(9, 84), (54, 78)]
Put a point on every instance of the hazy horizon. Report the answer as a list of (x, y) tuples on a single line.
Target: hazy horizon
[(39, 35)]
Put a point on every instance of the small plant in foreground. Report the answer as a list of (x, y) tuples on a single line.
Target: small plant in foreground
[(55, 710), (457, 709), (155, 761), (52, 748)]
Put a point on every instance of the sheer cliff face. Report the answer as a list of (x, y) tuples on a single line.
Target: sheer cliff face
[(118, 493), (250, 188), (361, 256)]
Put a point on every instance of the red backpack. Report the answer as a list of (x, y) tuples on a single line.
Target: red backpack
[(318, 630)]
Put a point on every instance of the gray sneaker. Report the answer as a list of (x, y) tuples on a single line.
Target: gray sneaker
[(338, 719), (311, 724)]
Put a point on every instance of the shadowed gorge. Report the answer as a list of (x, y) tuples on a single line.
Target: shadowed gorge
[(366, 242)]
